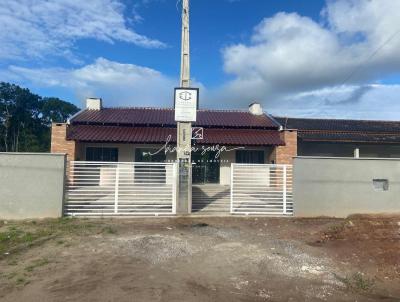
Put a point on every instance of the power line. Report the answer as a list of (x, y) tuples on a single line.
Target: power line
[(373, 54), (360, 67)]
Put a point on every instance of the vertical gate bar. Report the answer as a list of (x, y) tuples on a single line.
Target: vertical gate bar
[(232, 166), (67, 184), (116, 189), (174, 187), (284, 190)]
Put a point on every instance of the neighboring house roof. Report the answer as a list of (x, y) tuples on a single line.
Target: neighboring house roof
[(341, 130), (165, 117), (339, 124), (157, 135)]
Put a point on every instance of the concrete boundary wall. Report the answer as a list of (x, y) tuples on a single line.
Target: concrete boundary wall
[(31, 185), (339, 187)]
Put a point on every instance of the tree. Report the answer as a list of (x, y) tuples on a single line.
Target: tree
[(25, 119), (56, 110)]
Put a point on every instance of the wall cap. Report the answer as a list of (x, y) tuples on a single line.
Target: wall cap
[(32, 153), (348, 158)]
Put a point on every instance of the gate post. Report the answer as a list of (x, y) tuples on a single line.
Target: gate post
[(284, 190), (232, 165), (116, 189), (174, 187)]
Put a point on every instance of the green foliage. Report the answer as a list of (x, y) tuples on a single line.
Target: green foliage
[(109, 230), (56, 110), (358, 282), (36, 263), (25, 119), (23, 235), (15, 237)]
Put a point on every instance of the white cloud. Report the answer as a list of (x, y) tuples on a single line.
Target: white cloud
[(291, 56), (358, 102), (294, 65), (36, 28), (118, 84)]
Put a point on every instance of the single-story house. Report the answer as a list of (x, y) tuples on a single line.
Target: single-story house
[(149, 135), (229, 136)]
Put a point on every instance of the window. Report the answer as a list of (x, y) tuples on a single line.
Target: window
[(148, 155), (250, 157), (101, 154)]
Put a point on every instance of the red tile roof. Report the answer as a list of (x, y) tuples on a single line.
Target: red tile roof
[(341, 130), (165, 117), (339, 124), (350, 136), (159, 135)]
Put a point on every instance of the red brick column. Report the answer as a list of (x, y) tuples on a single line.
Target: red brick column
[(284, 154), (59, 142)]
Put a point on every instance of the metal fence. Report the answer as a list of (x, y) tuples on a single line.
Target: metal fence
[(120, 189), (261, 189)]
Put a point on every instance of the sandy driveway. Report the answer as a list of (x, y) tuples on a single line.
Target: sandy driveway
[(203, 259)]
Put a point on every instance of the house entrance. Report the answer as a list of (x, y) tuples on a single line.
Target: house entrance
[(205, 168)]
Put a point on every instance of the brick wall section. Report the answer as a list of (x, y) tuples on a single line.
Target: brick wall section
[(59, 142), (285, 154)]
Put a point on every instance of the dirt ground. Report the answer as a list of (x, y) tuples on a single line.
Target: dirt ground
[(201, 259)]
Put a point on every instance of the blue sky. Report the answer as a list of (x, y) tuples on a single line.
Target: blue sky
[(336, 58)]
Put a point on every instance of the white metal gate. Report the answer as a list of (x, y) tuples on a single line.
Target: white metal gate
[(261, 189), (120, 189)]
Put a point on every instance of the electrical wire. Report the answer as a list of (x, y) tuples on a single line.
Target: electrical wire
[(360, 67), (370, 57)]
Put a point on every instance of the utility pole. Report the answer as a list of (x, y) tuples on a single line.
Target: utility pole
[(184, 135), (185, 48)]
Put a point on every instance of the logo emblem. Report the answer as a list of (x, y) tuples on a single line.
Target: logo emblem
[(197, 133), (185, 95)]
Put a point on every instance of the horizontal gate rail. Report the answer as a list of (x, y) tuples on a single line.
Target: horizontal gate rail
[(120, 189), (261, 189)]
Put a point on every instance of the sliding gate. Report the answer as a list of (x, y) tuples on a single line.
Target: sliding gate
[(261, 189), (120, 189)]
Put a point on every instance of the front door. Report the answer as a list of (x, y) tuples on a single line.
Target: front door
[(205, 168)]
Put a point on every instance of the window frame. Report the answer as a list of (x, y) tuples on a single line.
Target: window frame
[(112, 154), (250, 150)]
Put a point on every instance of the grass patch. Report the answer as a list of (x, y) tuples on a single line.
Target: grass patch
[(36, 263), (358, 282), (334, 232), (109, 230), (12, 262), (21, 281), (72, 226), (16, 236), (11, 275)]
